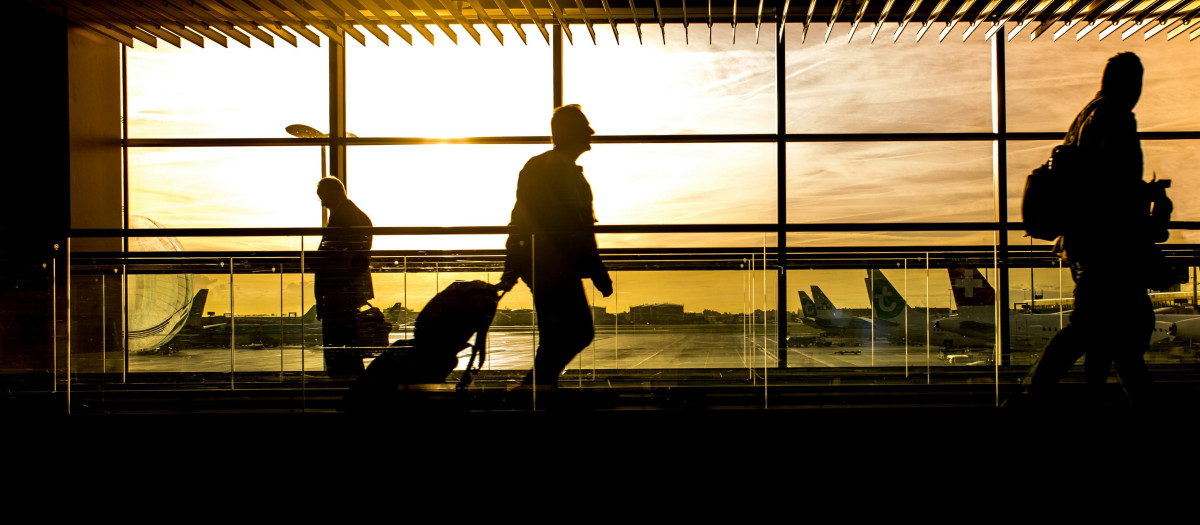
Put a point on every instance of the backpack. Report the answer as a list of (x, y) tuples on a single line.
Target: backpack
[(1048, 203), (443, 329)]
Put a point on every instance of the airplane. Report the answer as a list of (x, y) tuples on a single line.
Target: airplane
[(976, 318), (1186, 330), (212, 331), (830, 318), (897, 321)]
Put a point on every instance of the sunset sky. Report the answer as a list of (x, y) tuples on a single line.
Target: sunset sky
[(648, 88)]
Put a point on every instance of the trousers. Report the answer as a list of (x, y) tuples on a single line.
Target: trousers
[(564, 321), (1111, 325)]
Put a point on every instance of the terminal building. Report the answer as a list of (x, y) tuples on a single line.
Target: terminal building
[(745, 155)]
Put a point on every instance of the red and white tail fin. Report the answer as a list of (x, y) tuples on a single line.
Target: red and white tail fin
[(971, 288)]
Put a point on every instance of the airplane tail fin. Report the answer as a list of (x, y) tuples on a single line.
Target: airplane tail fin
[(971, 288), (824, 307), (807, 306), (196, 314), (310, 316), (886, 301)]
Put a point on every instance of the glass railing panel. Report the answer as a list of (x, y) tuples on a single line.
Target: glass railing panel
[(95, 322), (185, 303), (892, 315)]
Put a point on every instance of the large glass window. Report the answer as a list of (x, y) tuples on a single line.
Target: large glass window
[(881, 87), (1050, 81), (236, 91), (683, 86), (468, 90), (889, 182)]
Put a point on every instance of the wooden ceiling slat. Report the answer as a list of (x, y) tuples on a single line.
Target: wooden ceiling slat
[(1181, 28), (862, 10), (100, 13), (307, 17), (1005, 16), (562, 21), (758, 19), (1137, 20), (457, 15), (336, 16), (512, 19), (387, 20), (411, 19), (812, 8), (131, 9), (290, 21), (1073, 7), (983, 15), (956, 18), (1112, 17), (611, 21), (1162, 19), (908, 16), (213, 23), (437, 19), (253, 16), (537, 21), (355, 14), (933, 15), (169, 20), (787, 4), (662, 28), (81, 17), (241, 21), (887, 8), (477, 7), (1091, 8), (588, 22), (638, 25)]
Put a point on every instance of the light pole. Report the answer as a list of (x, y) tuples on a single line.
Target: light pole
[(308, 132)]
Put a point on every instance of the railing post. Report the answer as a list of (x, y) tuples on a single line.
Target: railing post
[(781, 293), (1000, 196)]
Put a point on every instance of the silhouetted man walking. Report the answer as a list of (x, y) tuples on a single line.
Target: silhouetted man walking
[(553, 245), (341, 277), (1109, 245)]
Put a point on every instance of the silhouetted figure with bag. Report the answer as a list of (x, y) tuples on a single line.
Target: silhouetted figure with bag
[(552, 246), (1109, 243), (341, 278)]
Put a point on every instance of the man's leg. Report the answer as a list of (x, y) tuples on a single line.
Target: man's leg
[(338, 331), (564, 326), (1063, 351), (1129, 356)]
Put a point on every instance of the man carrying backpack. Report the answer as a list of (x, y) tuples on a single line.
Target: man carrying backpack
[(552, 246), (341, 277), (1109, 243)]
